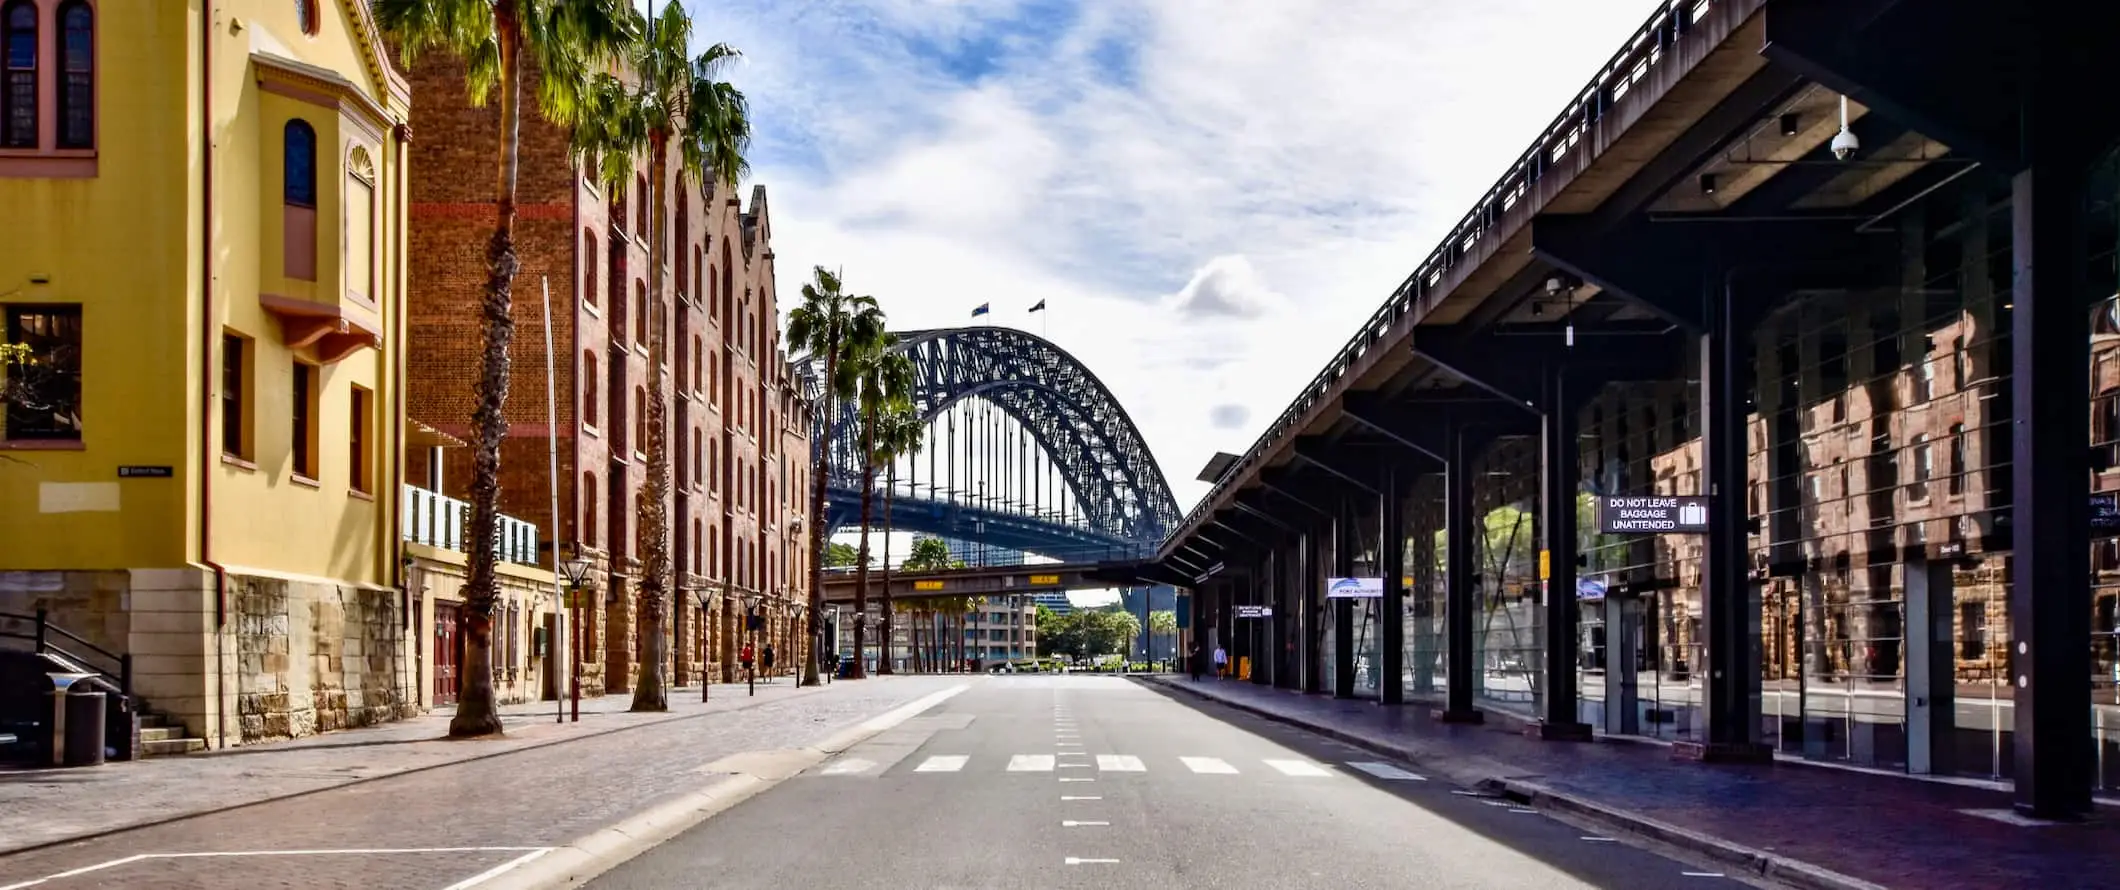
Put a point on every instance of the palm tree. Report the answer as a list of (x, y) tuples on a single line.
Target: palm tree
[(682, 101), (884, 385), (566, 40), (832, 324), (900, 433)]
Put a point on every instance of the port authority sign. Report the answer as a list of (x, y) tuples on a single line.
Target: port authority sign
[(1678, 515)]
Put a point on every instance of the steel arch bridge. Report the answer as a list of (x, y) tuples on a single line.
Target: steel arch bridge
[(1090, 490)]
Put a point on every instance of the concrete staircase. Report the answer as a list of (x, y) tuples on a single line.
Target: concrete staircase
[(161, 736)]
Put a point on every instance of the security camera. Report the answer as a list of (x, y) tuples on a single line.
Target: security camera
[(1845, 144)]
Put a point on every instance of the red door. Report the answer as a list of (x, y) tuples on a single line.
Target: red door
[(448, 653)]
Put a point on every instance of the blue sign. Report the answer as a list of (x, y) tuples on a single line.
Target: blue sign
[(1184, 609)]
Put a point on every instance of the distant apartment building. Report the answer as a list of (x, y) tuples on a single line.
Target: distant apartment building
[(738, 429)]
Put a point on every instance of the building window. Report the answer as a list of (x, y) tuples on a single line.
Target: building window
[(640, 417), (1959, 372), (1972, 630), (42, 387), (77, 72), (357, 438), (1924, 469), (640, 183), (588, 496), (683, 469), (699, 469), (640, 313), (699, 278), (697, 549), (305, 12), (298, 166), (698, 365), (18, 24), (1956, 484), (591, 380), (360, 225), (714, 551), (303, 430), (589, 267), (235, 395)]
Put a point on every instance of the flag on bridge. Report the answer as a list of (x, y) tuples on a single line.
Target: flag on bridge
[(1040, 307), (981, 310)]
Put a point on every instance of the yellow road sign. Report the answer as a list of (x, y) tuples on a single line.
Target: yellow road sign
[(927, 585), (1045, 579)]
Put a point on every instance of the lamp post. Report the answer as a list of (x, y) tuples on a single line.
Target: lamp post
[(750, 627), (576, 572), (706, 679)]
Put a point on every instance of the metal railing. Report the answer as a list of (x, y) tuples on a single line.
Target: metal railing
[(438, 520), (68, 648), (1672, 20)]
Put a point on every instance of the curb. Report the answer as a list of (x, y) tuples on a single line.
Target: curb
[(211, 811), (583, 859), (1760, 862), (1756, 861)]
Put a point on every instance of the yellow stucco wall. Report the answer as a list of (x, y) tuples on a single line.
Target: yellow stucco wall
[(124, 244)]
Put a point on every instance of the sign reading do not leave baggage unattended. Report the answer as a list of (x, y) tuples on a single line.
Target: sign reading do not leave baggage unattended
[(1652, 515)]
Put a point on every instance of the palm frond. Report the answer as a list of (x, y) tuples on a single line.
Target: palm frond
[(571, 41), (462, 28)]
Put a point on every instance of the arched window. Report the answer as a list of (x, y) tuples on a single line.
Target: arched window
[(618, 215), (699, 468), (591, 382), (306, 14), (298, 197), (640, 182), (698, 365), (18, 100), (699, 278), (589, 267), (77, 71), (697, 565)]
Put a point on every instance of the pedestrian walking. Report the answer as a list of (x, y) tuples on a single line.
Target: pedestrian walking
[(1221, 661), (1193, 659), (767, 660)]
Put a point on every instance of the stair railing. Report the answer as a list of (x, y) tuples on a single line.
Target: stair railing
[(117, 670)]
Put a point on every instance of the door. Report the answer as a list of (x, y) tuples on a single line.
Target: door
[(448, 651), (548, 647)]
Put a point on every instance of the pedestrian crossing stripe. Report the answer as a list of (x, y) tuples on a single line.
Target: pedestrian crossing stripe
[(1031, 763), (1209, 765), (1386, 771), (1120, 763), (943, 763)]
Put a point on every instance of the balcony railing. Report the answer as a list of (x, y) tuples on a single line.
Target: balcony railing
[(437, 520)]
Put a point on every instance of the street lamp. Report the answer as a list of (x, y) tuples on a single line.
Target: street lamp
[(706, 605), (750, 624), (575, 570)]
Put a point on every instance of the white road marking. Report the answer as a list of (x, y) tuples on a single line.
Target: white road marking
[(496, 871), (1067, 744), (1302, 768), (1073, 797), (1031, 763), (942, 763), (1702, 874), (1120, 763), (1599, 840), (1062, 778), (1214, 765), (1072, 860), (1522, 810), (1074, 766), (1070, 823), (532, 852), (848, 766), (1387, 771)]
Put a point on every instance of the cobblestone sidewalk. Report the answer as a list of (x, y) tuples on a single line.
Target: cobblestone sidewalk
[(46, 806), (1888, 830)]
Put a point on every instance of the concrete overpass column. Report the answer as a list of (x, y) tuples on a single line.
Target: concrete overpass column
[(1343, 547), (1317, 557), (1559, 471), (1730, 596), (1461, 603), (1262, 585), (1391, 561)]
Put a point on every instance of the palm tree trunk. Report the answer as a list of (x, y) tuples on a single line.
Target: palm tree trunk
[(819, 479), (477, 711), (648, 693), (861, 557), (890, 479)]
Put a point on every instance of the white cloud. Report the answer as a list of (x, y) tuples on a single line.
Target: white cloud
[(1209, 194)]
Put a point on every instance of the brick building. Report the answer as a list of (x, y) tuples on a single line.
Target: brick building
[(739, 434)]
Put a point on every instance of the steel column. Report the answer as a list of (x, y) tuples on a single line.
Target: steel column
[(1558, 475), (1730, 598), (1343, 547), (1391, 561), (2050, 598), (1459, 605)]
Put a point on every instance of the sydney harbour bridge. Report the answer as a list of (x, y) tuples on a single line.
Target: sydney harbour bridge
[(1027, 452)]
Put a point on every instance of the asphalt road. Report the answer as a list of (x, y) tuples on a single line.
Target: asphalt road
[(1098, 782)]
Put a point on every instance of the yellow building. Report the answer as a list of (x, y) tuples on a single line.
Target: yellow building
[(200, 466)]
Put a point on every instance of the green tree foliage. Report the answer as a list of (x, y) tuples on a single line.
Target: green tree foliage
[(929, 554), (837, 555)]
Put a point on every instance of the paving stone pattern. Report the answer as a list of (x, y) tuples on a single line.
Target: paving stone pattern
[(531, 795), (1891, 830)]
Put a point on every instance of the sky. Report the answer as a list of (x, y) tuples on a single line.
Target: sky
[(1209, 195)]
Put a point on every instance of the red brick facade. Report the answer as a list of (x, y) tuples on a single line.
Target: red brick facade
[(730, 510)]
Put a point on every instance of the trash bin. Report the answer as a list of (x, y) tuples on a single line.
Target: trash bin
[(76, 727)]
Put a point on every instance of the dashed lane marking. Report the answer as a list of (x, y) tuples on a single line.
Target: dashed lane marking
[(1600, 840), (1702, 874), (942, 763), (1077, 797), (1387, 771), (1076, 779), (496, 871), (847, 766), (1077, 860), (529, 854)]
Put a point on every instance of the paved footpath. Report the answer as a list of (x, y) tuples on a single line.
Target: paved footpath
[(1802, 824), (400, 806)]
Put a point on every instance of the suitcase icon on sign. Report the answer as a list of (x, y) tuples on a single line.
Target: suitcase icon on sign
[(1693, 513)]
